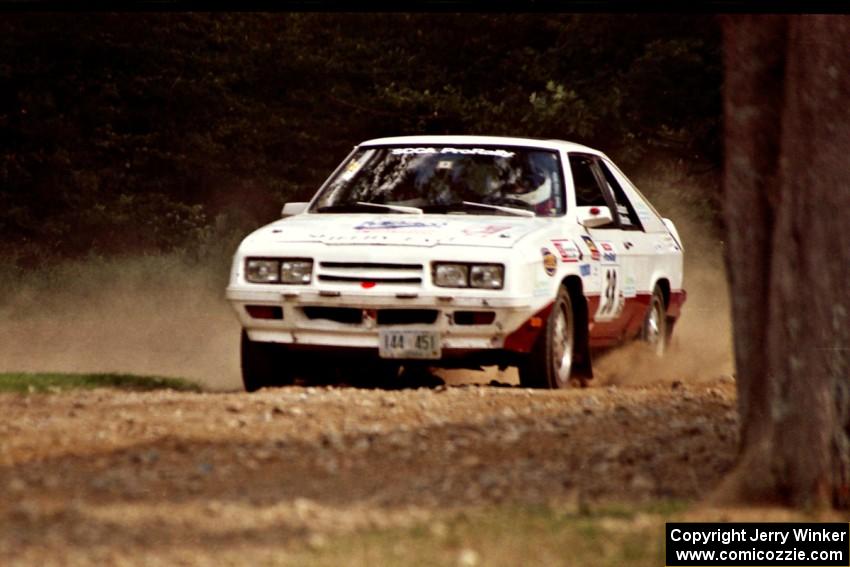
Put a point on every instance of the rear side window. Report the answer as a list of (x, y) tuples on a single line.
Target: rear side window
[(587, 189), (649, 218), (626, 213)]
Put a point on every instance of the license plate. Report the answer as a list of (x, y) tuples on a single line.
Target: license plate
[(409, 344)]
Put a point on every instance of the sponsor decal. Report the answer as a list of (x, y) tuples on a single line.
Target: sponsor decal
[(376, 236), (351, 169), (541, 288), (584, 269), (594, 251), (642, 212), (568, 250), (455, 151), (608, 254), (397, 224), (487, 230), (550, 262), (630, 287), (412, 151)]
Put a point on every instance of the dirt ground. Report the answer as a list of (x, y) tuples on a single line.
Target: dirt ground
[(225, 478), (161, 478)]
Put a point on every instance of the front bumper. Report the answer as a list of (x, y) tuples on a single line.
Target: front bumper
[(352, 319)]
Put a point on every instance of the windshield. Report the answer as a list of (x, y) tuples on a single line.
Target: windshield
[(446, 179)]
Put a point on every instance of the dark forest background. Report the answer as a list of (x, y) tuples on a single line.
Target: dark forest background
[(155, 133)]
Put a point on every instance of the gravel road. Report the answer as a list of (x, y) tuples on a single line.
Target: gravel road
[(162, 478)]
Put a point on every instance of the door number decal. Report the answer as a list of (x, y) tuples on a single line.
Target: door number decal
[(611, 299)]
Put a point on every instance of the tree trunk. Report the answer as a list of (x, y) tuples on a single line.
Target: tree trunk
[(787, 208)]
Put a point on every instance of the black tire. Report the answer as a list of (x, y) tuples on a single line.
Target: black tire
[(262, 364), (550, 362), (382, 375), (654, 331)]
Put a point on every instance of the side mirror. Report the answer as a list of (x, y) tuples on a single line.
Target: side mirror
[(292, 209), (592, 217)]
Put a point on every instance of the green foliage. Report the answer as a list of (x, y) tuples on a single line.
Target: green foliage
[(150, 132), (507, 535), (47, 382), (562, 109)]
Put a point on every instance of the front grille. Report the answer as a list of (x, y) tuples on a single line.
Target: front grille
[(382, 317), (264, 311), (370, 272), (370, 266), (474, 317), (407, 316), (349, 315), (361, 279)]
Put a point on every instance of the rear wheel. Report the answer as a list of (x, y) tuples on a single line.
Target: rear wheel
[(262, 364), (654, 332), (550, 363)]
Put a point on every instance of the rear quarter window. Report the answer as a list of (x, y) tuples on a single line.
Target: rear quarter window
[(646, 213)]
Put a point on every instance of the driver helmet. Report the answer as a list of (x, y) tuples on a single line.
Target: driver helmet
[(532, 189)]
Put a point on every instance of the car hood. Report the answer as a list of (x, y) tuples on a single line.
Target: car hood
[(399, 230)]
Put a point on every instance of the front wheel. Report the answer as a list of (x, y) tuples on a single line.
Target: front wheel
[(550, 363), (262, 365), (654, 332)]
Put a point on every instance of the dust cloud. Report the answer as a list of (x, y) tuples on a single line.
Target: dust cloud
[(166, 316), (155, 315), (701, 347)]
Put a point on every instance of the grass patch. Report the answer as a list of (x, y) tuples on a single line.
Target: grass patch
[(507, 536), (609, 535), (56, 382)]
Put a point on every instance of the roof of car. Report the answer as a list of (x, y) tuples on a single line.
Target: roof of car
[(482, 140)]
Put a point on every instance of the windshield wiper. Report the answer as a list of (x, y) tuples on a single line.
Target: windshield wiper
[(509, 210), (360, 205), (397, 208)]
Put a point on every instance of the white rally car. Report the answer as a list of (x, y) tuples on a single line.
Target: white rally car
[(458, 251)]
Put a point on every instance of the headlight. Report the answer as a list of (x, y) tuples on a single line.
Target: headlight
[(451, 275), (285, 270), (487, 276), (262, 271), (296, 271), (482, 276)]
